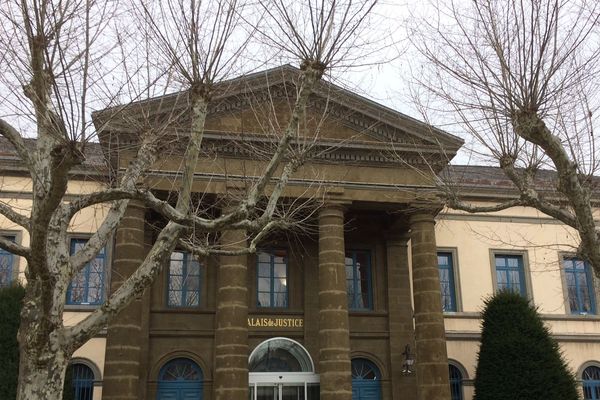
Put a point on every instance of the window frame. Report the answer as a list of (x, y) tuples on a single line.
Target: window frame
[(271, 277), (453, 251), (526, 272), (592, 284), (201, 287), (16, 259), (105, 282), (371, 306), (464, 381), (581, 370)]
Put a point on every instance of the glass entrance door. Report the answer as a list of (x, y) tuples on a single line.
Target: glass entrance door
[(284, 392), (281, 369)]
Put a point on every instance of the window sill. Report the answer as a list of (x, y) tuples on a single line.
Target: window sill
[(275, 310), (81, 307), (181, 310), (549, 317)]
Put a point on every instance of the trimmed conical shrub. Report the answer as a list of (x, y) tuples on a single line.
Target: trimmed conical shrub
[(11, 300), (518, 360)]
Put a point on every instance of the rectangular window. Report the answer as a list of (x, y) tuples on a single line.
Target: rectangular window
[(358, 280), (447, 287), (7, 261), (510, 273), (87, 286), (272, 274), (184, 280), (580, 288)]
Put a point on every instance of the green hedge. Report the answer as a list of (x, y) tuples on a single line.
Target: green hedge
[(518, 359), (11, 300)]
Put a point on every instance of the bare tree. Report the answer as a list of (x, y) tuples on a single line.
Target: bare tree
[(521, 77), (55, 57)]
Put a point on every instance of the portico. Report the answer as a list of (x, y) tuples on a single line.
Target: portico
[(333, 303)]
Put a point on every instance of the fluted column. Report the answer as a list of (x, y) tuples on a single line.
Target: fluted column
[(231, 335), (430, 337), (124, 333), (334, 338), (400, 313)]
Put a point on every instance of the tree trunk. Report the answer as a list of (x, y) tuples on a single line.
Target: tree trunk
[(41, 372), (43, 356)]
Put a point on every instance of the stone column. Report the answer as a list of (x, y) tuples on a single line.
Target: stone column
[(231, 334), (430, 336), (334, 337), (400, 313), (124, 334)]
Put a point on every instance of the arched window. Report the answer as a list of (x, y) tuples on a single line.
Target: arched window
[(591, 383), (456, 382), (280, 355), (281, 368), (82, 378), (365, 380), (180, 378)]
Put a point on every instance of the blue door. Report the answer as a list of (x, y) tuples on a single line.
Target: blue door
[(180, 379), (366, 380)]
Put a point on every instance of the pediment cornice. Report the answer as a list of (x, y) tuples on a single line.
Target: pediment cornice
[(383, 135)]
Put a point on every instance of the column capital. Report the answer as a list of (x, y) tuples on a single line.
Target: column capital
[(397, 237), (136, 204), (398, 229), (231, 199), (338, 205), (423, 211)]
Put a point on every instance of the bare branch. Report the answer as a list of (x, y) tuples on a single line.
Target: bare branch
[(14, 216), (14, 248), (15, 138)]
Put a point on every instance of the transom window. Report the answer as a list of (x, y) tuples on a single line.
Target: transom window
[(180, 379), (6, 265), (510, 274), (87, 286), (591, 383), (366, 380), (364, 369), (580, 287), (280, 355), (272, 275), (358, 280), (447, 286), (281, 368), (184, 280)]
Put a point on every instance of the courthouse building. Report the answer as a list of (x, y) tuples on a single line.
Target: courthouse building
[(283, 318)]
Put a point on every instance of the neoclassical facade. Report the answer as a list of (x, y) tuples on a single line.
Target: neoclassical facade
[(331, 307)]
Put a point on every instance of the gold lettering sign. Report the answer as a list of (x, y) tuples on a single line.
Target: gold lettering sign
[(279, 322)]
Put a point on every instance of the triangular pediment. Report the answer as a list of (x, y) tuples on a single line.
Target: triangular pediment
[(256, 106)]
